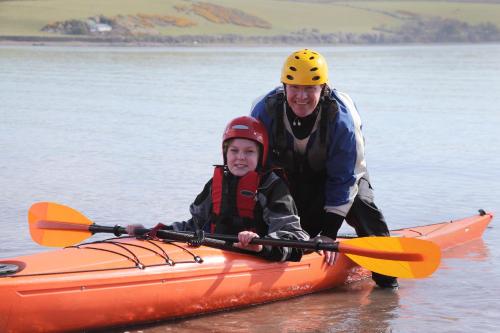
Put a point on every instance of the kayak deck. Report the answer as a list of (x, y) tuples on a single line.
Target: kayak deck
[(449, 234), (126, 281)]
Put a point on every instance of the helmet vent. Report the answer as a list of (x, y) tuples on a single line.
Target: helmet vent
[(289, 77), (311, 58), (315, 78), (240, 127), (297, 57), (314, 69), (293, 69)]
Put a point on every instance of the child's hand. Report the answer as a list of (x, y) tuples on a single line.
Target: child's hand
[(131, 228), (245, 237)]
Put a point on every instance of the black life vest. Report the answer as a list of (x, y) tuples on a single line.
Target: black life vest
[(283, 155), (305, 173), (232, 215)]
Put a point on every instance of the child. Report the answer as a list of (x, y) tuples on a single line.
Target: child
[(243, 199)]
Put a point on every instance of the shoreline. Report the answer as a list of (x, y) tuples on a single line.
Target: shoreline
[(193, 41)]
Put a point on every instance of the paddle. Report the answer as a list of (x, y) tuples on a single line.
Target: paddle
[(52, 224)]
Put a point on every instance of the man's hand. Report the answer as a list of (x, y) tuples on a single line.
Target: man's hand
[(330, 256)]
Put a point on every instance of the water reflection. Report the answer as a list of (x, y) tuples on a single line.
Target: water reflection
[(356, 307), (475, 250), (351, 308), (453, 258), (365, 308)]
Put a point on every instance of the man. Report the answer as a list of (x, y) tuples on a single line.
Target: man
[(315, 137)]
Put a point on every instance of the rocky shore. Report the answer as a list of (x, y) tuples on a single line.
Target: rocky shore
[(104, 31)]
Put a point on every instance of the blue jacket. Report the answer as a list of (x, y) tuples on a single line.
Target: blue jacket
[(345, 159)]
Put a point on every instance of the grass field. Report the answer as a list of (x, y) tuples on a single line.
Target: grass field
[(27, 17)]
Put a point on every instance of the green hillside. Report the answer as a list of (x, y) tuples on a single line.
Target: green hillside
[(255, 20)]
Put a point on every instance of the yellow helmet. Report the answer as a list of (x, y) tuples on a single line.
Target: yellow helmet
[(305, 67)]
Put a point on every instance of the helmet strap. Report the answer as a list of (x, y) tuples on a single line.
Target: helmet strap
[(325, 92)]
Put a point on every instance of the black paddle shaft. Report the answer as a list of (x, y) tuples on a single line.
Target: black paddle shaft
[(218, 239), (163, 234), (316, 244)]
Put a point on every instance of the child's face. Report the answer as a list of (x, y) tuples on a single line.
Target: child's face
[(242, 156)]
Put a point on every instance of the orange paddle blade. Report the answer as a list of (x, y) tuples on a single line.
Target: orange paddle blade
[(400, 257), (52, 224)]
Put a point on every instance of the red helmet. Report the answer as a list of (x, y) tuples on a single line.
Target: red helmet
[(247, 128)]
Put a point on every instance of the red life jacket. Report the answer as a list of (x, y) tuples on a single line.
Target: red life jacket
[(246, 193)]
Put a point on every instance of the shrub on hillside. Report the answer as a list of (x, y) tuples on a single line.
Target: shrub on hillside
[(224, 15)]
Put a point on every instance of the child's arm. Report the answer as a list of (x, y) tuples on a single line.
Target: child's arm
[(281, 216)]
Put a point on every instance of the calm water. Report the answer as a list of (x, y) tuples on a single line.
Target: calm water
[(129, 135)]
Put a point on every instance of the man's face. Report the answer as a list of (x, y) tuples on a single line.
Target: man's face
[(303, 99)]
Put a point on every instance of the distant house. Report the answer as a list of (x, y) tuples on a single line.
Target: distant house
[(102, 27), (98, 27)]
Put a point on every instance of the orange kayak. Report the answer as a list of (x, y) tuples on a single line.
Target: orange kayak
[(123, 281)]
